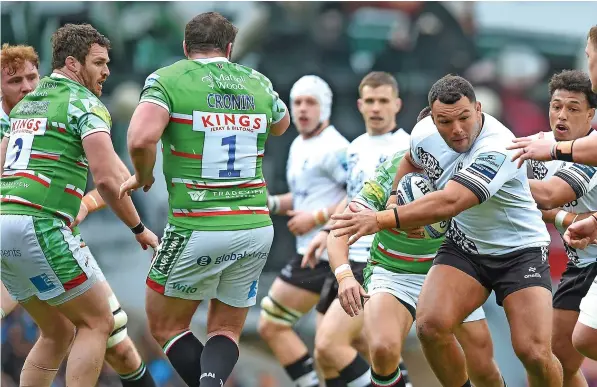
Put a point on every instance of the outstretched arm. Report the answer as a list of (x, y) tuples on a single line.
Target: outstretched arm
[(431, 208)]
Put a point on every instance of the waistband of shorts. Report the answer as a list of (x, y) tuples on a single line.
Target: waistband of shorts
[(509, 255)]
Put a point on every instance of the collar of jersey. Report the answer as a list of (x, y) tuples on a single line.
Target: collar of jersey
[(211, 60), (4, 114), (60, 76)]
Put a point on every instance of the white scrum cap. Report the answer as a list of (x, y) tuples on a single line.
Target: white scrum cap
[(314, 86)]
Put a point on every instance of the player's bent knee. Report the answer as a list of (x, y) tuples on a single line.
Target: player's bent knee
[(60, 330), (584, 344), (384, 351), (123, 357), (432, 329), (325, 350), (119, 332), (566, 353), (533, 355)]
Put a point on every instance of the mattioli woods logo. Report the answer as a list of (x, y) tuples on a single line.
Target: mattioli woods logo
[(224, 82)]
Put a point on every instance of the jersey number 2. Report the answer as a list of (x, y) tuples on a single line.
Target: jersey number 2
[(19, 151)]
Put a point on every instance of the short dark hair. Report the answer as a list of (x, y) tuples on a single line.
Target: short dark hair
[(426, 112), (75, 40), (207, 32), (450, 89), (575, 81), (592, 36), (378, 78)]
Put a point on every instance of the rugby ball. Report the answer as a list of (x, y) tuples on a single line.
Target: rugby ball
[(413, 186)]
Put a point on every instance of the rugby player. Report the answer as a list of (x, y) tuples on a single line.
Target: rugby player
[(121, 353), (463, 151), (394, 277), (19, 66), (316, 174), (584, 232), (339, 336), (213, 117), (58, 132), (572, 187)]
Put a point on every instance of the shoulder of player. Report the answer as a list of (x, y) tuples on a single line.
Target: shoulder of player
[(495, 130), (85, 102), (169, 72), (252, 73), (424, 129), (337, 140), (358, 142)]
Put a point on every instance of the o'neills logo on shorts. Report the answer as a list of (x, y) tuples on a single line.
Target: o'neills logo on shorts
[(171, 248)]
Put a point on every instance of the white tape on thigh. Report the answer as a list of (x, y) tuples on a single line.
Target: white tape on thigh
[(277, 313), (120, 319)]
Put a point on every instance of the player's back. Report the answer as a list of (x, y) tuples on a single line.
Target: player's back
[(45, 173), (220, 117)]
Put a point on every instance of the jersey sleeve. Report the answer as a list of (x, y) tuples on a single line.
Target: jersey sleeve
[(278, 106), (376, 191), (490, 169), (4, 131), (415, 152), (581, 178), (97, 119), (154, 92), (335, 165), (4, 125)]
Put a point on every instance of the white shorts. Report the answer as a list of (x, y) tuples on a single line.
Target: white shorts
[(405, 287), (201, 265), (588, 307), (41, 257)]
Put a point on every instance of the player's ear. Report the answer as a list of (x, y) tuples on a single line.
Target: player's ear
[(478, 106), (184, 48), (360, 104), (72, 64), (398, 105), (229, 50), (591, 114)]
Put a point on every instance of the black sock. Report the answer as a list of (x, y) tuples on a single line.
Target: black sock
[(335, 382), (139, 378), (302, 373), (184, 352), (467, 384), (404, 371), (217, 361), (356, 370), (395, 379)]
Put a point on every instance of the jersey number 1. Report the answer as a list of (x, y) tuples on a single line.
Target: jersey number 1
[(230, 171)]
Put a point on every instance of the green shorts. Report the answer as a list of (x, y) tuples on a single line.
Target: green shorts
[(41, 257), (201, 265)]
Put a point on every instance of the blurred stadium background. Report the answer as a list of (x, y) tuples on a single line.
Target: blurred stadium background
[(508, 50)]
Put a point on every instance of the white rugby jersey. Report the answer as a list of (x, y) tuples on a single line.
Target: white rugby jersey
[(507, 218), (583, 180), (364, 155), (316, 172)]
